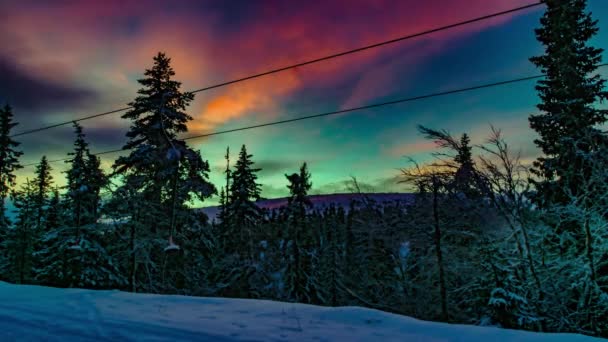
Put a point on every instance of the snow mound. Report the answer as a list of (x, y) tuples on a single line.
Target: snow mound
[(35, 313)]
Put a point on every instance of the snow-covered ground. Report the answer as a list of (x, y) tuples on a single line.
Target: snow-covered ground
[(34, 313)]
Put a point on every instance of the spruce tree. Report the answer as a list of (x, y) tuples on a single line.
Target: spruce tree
[(74, 247), (22, 237), (9, 159), (466, 179), (221, 215), (85, 179), (225, 194), (239, 233), (42, 183), (299, 267), (77, 178), (9, 163), (55, 212), (161, 173), (242, 211), (97, 179), (568, 119), (49, 273), (573, 146), (159, 158)]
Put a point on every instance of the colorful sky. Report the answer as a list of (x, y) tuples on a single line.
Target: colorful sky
[(61, 60)]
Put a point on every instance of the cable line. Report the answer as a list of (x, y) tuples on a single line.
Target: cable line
[(347, 110), (273, 71)]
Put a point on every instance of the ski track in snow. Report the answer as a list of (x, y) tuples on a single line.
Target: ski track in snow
[(35, 313)]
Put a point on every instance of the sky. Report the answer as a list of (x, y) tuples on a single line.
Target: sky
[(61, 60)]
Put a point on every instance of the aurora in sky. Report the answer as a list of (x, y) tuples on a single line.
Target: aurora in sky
[(61, 60)]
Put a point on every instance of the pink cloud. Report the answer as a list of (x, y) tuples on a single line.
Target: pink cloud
[(88, 42)]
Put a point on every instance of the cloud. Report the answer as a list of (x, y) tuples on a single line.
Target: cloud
[(260, 98), (409, 149), (106, 44), (269, 166), (29, 91), (271, 191)]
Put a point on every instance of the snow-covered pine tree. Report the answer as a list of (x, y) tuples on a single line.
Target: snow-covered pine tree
[(571, 87), (9, 158), (55, 213), (9, 163), (22, 236), (97, 180), (162, 172), (79, 194), (52, 272), (75, 249), (573, 145), (42, 182), (133, 243), (243, 213), (240, 235)]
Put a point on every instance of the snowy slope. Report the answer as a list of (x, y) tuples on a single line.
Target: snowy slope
[(33, 313)]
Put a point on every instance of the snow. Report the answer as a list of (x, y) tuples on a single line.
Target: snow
[(108, 220), (171, 247), (34, 313)]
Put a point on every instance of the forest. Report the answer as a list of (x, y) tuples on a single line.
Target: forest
[(486, 239)]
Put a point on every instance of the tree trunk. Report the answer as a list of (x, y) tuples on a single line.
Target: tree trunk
[(437, 240), (133, 270)]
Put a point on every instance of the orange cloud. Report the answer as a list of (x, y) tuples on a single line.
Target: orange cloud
[(409, 149), (258, 98), (89, 39)]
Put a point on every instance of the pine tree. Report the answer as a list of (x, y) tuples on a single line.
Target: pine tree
[(243, 214), (42, 185), (42, 182), (162, 172), (97, 179), (573, 146), (22, 237), (466, 180), (75, 254), (221, 215), (159, 158), (47, 273), (78, 179), (225, 193), (55, 212), (9, 163), (240, 236), (568, 119), (9, 159), (299, 267)]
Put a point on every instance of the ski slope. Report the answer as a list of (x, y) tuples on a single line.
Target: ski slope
[(35, 313)]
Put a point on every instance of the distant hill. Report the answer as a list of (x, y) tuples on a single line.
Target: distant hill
[(321, 201)]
